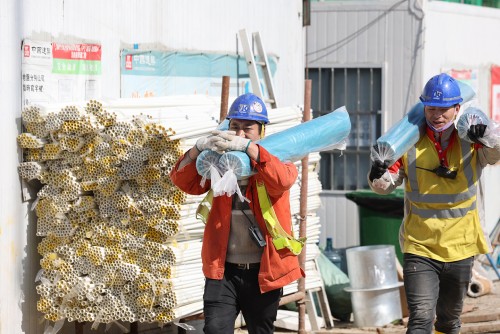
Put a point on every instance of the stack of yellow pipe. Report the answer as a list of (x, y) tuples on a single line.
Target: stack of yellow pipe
[(108, 214), (119, 241)]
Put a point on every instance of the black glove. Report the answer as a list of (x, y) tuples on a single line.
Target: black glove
[(476, 131), (378, 169)]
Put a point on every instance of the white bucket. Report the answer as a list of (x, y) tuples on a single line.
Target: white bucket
[(374, 285)]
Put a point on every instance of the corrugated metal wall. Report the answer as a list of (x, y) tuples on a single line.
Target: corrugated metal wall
[(411, 41), (191, 25), (384, 34)]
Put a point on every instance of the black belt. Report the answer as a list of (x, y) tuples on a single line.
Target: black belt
[(243, 266)]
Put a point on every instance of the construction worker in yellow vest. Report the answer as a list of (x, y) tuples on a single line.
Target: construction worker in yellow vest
[(442, 230), (245, 264)]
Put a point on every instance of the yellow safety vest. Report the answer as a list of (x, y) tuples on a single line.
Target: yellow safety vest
[(281, 239), (442, 221)]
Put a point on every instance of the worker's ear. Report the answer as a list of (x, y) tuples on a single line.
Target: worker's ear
[(457, 109)]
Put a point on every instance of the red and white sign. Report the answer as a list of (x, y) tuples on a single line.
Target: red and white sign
[(55, 72), (465, 75), (462, 75), (495, 93), (128, 62), (76, 51)]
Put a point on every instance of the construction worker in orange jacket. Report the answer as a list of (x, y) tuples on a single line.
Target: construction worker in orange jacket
[(243, 274)]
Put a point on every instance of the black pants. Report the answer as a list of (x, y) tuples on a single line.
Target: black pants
[(239, 291), (435, 288)]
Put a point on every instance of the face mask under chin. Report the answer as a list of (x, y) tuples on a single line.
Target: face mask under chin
[(441, 129)]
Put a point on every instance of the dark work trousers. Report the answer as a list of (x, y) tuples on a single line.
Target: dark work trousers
[(239, 291), (435, 290)]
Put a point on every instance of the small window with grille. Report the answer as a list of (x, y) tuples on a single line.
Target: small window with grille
[(360, 90)]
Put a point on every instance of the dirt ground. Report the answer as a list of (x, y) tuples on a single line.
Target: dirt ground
[(480, 315)]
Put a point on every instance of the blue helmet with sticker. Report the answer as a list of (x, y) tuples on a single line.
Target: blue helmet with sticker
[(249, 107), (441, 91)]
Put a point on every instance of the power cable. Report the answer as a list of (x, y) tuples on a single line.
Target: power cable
[(349, 38)]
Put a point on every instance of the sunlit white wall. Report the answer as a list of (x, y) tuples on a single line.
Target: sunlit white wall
[(188, 25)]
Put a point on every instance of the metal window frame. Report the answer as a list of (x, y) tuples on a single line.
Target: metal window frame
[(374, 112)]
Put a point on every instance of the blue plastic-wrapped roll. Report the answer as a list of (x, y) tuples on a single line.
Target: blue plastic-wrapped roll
[(236, 161), (466, 91), (403, 135), (469, 117), (406, 133), (224, 125), (206, 163), (326, 132), (209, 158), (473, 116)]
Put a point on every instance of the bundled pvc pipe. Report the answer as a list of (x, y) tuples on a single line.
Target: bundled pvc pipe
[(406, 133), (167, 244), (479, 285), (207, 165), (473, 116), (323, 133)]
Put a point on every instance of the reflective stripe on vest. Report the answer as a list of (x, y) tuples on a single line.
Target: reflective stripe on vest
[(205, 206), (281, 239), (416, 197)]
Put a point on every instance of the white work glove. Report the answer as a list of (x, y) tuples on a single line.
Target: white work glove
[(207, 143), (231, 142)]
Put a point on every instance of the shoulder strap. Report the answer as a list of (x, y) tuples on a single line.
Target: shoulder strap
[(204, 207), (281, 238)]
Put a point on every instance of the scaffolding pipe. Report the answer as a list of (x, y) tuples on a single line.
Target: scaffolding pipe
[(224, 97), (303, 210), (299, 295)]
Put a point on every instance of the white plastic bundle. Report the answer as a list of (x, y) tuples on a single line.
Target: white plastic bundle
[(473, 116), (406, 133)]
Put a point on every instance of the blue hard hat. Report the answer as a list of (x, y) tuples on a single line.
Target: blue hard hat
[(441, 91), (249, 107)]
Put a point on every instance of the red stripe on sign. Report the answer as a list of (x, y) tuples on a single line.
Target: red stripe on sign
[(76, 51), (128, 62), (495, 93)]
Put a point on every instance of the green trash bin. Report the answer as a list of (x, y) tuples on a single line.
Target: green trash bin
[(380, 217)]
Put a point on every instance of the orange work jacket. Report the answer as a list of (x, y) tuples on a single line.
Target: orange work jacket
[(277, 268)]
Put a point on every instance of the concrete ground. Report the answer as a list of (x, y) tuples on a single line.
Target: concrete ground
[(480, 315)]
